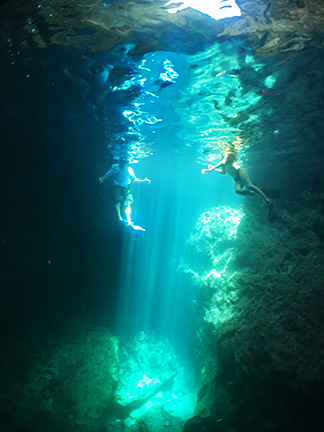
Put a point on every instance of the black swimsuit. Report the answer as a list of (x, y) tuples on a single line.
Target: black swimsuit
[(237, 177)]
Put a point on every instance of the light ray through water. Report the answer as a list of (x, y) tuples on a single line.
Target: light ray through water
[(153, 293)]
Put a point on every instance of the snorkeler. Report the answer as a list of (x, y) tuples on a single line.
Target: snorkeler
[(241, 177), (121, 175)]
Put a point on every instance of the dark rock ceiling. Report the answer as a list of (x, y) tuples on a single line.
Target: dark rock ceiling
[(271, 27)]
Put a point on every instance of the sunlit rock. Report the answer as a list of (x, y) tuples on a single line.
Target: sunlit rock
[(146, 365), (267, 353), (215, 236), (153, 391)]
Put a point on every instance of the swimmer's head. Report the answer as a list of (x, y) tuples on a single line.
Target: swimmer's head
[(231, 158), (123, 161)]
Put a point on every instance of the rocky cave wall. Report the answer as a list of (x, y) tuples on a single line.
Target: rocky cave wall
[(261, 340)]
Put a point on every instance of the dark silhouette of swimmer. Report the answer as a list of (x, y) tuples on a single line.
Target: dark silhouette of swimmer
[(242, 179)]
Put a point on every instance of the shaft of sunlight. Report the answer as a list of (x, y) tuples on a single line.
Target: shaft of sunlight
[(154, 295)]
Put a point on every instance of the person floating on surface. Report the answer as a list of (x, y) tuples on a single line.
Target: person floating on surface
[(121, 175), (242, 179)]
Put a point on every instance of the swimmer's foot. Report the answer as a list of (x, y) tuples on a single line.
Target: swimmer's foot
[(123, 222), (129, 223), (137, 227), (271, 193), (272, 216)]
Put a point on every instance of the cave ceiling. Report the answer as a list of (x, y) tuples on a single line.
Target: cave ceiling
[(146, 25)]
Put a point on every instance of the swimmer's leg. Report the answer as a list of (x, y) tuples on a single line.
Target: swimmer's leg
[(254, 189), (246, 181), (128, 201), (128, 211), (240, 191), (117, 207)]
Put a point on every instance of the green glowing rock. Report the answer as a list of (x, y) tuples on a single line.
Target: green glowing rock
[(147, 366)]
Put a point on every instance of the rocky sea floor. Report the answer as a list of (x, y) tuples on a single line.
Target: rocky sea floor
[(80, 376)]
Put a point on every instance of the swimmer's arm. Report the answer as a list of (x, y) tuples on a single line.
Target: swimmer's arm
[(131, 172), (143, 180), (220, 167), (107, 175), (104, 177)]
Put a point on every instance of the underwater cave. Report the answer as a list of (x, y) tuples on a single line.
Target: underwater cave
[(142, 291)]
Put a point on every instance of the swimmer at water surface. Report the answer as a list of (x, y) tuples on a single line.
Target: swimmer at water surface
[(242, 179)]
